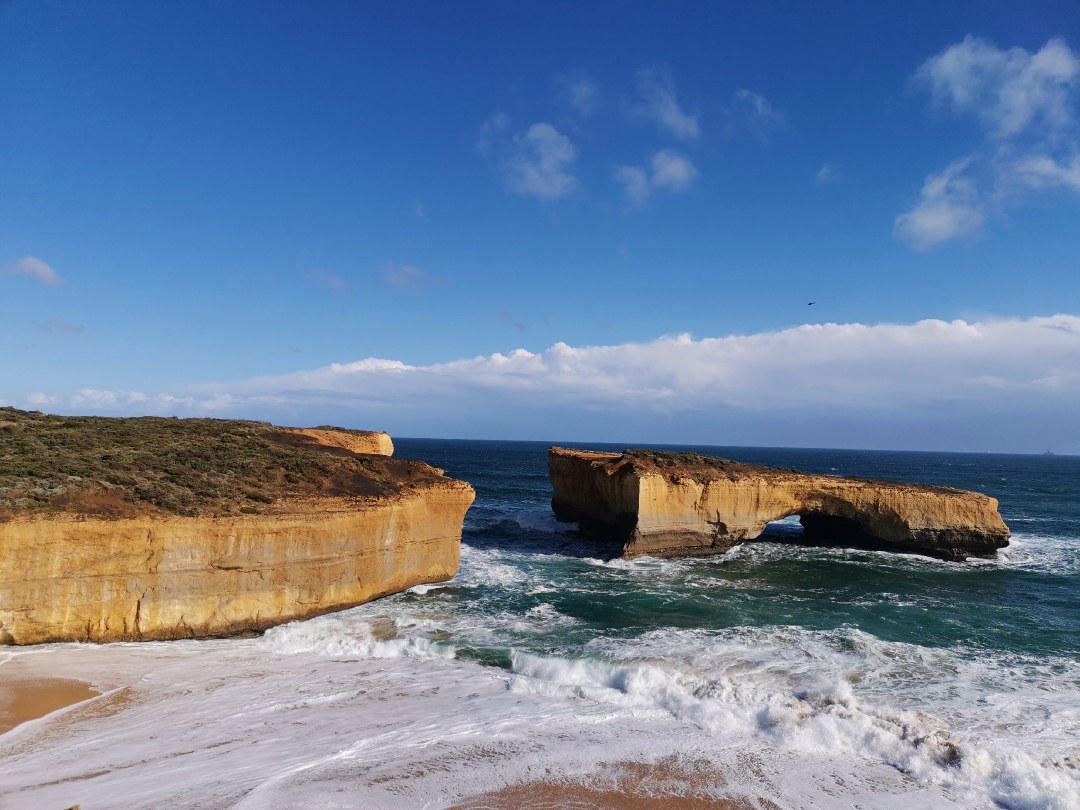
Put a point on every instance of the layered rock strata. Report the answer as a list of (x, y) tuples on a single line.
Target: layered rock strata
[(192, 539), (679, 504)]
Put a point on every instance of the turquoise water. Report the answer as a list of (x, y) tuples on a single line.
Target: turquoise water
[(1025, 604)]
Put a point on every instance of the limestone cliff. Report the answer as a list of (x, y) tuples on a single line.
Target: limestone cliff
[(355, 441), (677, 504), (143, 529)]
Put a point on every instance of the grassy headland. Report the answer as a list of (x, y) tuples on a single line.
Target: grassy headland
[(120, 467)]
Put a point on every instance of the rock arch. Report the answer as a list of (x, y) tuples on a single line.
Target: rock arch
[(679, 504)]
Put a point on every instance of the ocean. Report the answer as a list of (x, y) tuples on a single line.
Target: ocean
[(800, 675)]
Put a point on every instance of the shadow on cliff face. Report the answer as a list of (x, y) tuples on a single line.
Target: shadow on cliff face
[(788, 530), (817, 531), (534, 532)]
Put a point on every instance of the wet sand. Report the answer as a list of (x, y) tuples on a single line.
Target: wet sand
[(546, 796), (667, 785), (29, 699)]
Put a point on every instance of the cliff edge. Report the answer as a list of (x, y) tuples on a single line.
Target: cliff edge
[(152, 528), (677, 504)]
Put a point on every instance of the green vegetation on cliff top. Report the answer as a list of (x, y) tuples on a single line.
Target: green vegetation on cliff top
[(114, 467)]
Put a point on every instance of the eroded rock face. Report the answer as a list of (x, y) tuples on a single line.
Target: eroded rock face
[(305, 525), (678, 504), (72, 579), (355, 441)]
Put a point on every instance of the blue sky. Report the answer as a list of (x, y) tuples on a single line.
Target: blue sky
[(197, 196)]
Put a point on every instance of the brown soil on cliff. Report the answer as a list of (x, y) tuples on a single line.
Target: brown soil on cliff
[(116, 467)]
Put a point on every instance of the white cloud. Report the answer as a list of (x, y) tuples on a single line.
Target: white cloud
[(1024, 102), (673, 171), (1008, 375), (407, 277), (670, 171), (97, 401), (35, 269), (635, 183), (580, 93), (756, 113), (328, 280), (491, 131), (419, 211), (661, 105), (949, 206), (1008, 90), (540, 168), (60, 325), (828, 173), (1042, 171), (38, 398)]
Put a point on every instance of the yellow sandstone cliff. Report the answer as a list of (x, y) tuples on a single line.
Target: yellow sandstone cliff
[(72, 579), (355, 441), (677, 504), (330, 528)]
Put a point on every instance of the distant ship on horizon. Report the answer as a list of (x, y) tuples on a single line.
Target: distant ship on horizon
[(1049, 452)]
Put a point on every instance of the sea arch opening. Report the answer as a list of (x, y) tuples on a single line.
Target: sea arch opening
[(813, 527)]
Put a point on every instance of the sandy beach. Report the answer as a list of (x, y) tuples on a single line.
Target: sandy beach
[(546, 796), (666, 785), (23, 699)]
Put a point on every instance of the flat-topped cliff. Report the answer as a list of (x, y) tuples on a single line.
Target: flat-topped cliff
[(152, 528), (677, 504)]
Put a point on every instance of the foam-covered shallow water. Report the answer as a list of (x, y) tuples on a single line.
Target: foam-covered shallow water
[(809, 676)]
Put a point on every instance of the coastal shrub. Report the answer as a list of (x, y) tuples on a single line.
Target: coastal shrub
[(121, 466), (694, 465)]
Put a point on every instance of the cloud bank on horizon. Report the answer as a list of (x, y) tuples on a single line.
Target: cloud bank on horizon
[(1016, 374)]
